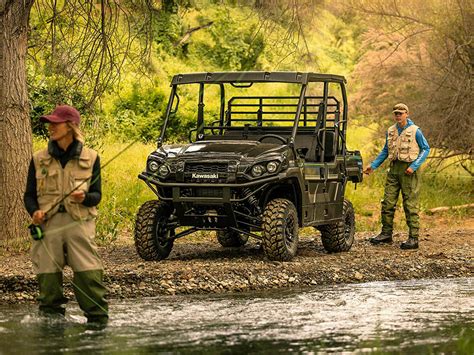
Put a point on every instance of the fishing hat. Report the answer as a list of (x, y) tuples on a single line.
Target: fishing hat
[(402, 108), (62, 113)]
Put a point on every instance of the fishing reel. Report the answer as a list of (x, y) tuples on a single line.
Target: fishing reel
[(36, 231)]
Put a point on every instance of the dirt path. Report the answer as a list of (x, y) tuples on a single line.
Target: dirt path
[(201, 265)]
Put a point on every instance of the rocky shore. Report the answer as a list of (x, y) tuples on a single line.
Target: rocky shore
[(201, 265)]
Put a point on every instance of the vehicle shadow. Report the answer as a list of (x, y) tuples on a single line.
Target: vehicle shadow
[(252, 251)]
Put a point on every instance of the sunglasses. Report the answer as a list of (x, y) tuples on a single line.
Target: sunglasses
[(398, 113)]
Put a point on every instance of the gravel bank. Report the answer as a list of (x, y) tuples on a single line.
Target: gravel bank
[(201, 265)]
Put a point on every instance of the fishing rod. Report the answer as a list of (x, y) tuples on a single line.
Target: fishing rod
[(36, 231)]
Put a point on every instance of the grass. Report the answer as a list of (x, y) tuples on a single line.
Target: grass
[(437, 189), (124, 193), (450, 187)]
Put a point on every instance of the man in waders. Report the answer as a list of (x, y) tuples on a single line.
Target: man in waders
[(67, 220), (406, 148)]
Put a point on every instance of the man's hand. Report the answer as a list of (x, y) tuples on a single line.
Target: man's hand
[(409, 171), (78, 196), (38, 217), (368, 170)]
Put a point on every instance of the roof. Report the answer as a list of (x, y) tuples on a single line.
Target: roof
[(255, 76)]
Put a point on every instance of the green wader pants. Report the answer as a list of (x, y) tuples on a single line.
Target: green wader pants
[(70, 242), (410, 186)]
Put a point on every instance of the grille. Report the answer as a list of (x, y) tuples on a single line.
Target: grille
[(205, 168), (203, 192)]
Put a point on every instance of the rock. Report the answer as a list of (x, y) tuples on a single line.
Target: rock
[(447, 254)]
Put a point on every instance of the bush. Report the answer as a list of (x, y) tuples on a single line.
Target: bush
[(139, 114)]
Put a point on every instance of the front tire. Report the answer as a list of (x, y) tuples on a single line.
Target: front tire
[(151, 234), (280, 230), (339, 236), (229, 238)]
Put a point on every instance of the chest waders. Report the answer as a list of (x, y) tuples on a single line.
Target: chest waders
[(80, 252), (409, 186), (67, 238)]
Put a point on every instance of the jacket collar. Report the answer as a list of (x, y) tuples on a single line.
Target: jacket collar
[(73, 151), (409, 123)]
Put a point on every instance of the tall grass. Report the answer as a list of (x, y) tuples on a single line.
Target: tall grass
[(448, 188), (123, 193)]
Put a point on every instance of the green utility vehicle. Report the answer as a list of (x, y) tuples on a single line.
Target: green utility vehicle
[(266, 156)]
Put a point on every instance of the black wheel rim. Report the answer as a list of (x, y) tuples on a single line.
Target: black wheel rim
[(162, 233), (347, 227), (290, 231)]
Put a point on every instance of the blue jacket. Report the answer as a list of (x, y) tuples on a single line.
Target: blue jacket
[(422, 143)]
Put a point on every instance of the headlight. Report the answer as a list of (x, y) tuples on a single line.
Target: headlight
[(272, 167), (163, 171), (257, 170), (153, 166)]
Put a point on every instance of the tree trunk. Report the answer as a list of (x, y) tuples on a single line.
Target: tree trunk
[(15, 126)]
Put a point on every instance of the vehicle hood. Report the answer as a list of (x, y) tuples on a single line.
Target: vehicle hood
[(211, 149)]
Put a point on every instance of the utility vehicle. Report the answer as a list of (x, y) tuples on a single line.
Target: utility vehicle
[(266, 155)]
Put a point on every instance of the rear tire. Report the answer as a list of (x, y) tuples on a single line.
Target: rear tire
[(339, 236), (151, 233), (280, 230), (229, 238)]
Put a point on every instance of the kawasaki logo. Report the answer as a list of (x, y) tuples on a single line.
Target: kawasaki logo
[(204, 176)]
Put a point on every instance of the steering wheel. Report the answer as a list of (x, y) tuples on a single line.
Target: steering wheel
[(214, 129), (270, 135)]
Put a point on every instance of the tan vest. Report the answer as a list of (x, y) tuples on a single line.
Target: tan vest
[(403, 147), (53, 182)]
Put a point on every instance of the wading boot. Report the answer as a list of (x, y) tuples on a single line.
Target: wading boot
[(97, 323), (381, 238), (411, 243)]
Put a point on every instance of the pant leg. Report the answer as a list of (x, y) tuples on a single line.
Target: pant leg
[(389, 202), (83, 258), (410, 194), (48, 260), (51, 298), (90, 294)]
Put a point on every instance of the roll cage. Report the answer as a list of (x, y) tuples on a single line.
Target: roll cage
[(250, 117)]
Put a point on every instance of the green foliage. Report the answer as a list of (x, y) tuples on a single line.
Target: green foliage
[(321, 38), (449, 188), (122, 192), (139, 113), (239, 49), (45, 92), (167, 31)]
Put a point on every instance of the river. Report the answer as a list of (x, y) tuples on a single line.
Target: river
[(394, 316)]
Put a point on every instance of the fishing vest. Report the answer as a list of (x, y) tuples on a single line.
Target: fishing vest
[(53, 182), (403, 147)]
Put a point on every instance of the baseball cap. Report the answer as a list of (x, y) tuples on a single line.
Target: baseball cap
[(62, 113), (402, 108)]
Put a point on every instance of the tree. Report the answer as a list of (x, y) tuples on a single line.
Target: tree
[(15, 128), (82, 49), (422, 53)]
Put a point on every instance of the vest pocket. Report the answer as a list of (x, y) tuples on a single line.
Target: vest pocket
[(48, 184), (81, 180)]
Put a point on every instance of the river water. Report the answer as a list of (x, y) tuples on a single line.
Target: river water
[(397, 316)]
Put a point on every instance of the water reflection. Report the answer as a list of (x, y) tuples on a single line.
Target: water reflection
[(388, 316)]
